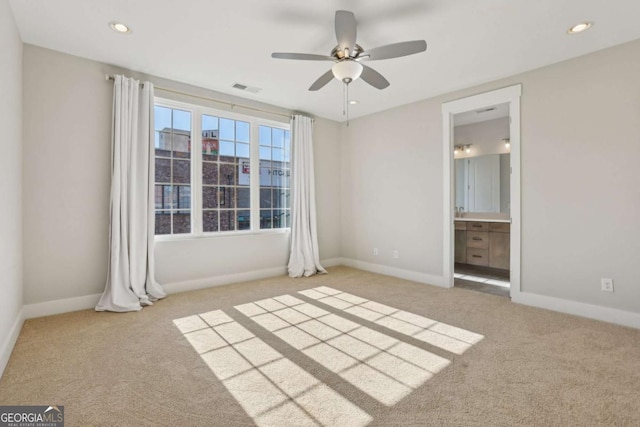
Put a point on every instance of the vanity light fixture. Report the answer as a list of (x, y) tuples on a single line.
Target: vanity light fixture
[(460, 148), (354, 102), (507, 142), (119, 27), (579, 28)]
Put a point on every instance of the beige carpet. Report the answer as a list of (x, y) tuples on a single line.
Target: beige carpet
[(360, 349)]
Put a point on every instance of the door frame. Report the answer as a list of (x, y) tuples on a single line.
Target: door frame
[(510, 95)]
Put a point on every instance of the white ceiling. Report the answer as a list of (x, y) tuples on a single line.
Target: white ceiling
[(213, 43)]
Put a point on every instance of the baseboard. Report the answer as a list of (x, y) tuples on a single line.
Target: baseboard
[(331, 262), (59, 306), (400, 273), (10, 341), (209, 282), (597, 312)]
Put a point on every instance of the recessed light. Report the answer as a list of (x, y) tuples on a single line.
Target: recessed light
[(119, 27), (354, 102), (583, 26)]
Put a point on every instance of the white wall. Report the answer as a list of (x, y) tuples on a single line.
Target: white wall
[(67, 183), (580, 205), (10, 183)]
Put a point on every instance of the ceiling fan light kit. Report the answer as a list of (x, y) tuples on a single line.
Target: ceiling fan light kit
[(348, 54), (347, 70)]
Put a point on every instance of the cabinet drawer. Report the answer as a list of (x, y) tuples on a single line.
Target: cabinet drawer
[(477, 256), (477, 226), (478, 239), (460, 225), (500, 227)]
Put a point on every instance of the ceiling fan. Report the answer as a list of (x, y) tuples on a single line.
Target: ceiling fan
[(347, 55)]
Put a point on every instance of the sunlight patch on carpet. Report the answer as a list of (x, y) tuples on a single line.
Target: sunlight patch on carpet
[(271, 389), (450, 338), (381, 366)]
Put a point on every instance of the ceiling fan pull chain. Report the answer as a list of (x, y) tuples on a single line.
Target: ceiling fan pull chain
[(344, 97), (346, 103)]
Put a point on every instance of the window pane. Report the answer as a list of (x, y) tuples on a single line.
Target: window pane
[(227, 220), (244, 220), (182, 120), (244, 173), (181, 197), (181, 144), (227, 197), (242, 132), (242, 150), (287, 156), (244, 198), (163, 197), (287, 214), (209, 123), (277, 177), (209, 173), (181, 171), (163, 143), (210, 149), (162, 118), (265, 198), (278, 138), (278, 219), (163, 222), (181, 222), (227, 148), (287, 140), (210, 221), (265, 174), (163, 170), (228, 174), (265, 135), (265, 219), (209, 197), (227, 129), (278, 154), (280, 198), (265, 153)]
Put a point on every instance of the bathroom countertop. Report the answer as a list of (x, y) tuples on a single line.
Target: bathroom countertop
[(482, 219)]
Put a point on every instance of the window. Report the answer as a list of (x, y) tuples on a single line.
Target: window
[(275, 176), (211, 190), (173, 170), (226, 192)]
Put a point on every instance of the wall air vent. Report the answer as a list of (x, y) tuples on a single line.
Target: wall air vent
[(246, 88)]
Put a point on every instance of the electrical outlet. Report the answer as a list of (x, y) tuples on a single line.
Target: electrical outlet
[(396, 254), (606, 284), (375, 251)]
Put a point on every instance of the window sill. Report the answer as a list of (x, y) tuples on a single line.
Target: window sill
[(180, 237)]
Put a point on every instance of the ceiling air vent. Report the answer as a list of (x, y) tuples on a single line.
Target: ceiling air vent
[(486, 110), (246, 88)]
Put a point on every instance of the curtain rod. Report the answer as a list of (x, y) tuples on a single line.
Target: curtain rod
[(230, 104)]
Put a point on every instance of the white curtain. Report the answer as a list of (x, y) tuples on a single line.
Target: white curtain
[(304, 259), (130, 276)]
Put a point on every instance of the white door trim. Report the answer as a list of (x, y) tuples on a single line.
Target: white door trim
[(509, 95)]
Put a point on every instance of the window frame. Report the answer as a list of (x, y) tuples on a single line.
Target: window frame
[(197, 111)]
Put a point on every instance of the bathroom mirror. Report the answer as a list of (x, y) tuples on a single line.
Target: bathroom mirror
[(482, 184)]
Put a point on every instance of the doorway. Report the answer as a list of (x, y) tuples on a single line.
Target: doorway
[(489, 246)]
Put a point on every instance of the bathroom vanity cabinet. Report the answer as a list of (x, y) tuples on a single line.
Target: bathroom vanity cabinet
[(482, 243)]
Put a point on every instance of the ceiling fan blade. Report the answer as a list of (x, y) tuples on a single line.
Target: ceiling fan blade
[(346, 30), (374, 78), (322, 81), (395, 50), (302, 56)]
